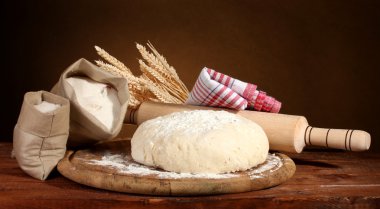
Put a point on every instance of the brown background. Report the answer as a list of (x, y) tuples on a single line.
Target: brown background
[(320, 58)]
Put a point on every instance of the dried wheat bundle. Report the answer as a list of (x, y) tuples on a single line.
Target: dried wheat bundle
[(158, 82)]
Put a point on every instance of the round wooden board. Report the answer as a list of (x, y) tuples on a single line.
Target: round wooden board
[(110, 166)]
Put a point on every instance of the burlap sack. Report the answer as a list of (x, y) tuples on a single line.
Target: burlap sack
[(85, 129), (39, 139)]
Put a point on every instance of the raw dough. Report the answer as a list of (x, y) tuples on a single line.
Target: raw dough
[(200, 141)]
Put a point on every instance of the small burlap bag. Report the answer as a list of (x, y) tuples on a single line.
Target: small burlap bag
[(39, 139)]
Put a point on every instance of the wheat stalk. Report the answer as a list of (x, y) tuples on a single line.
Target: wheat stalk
[(167, 85), (154, 62), (110, 68), (132, 80), (158, 93), (168, 67), (112, 60), (158, 82), (163, 60), (162, 69)]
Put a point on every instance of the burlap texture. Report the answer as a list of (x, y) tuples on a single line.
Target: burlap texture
[(39, 139), (85, 129)]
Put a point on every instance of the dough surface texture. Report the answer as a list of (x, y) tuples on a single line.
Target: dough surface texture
[(200, 141)]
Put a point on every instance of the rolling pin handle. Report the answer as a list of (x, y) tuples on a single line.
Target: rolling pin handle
[(347, 139)]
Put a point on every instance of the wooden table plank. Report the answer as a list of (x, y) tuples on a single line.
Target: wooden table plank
[(322, 180)]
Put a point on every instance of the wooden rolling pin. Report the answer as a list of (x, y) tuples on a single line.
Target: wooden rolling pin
[(289, 133)]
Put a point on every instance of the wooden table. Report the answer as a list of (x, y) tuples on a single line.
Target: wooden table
[(322, 180)]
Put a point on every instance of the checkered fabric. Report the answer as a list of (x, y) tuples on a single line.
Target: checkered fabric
[(218, 90)]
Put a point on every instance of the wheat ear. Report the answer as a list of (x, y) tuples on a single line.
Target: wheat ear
[(158, 82), (159, 63), (168, 67), (154, 62), (115, 62), (168, 86)]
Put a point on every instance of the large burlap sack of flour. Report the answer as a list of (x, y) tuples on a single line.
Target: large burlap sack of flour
[(98, 99), (40, 135)]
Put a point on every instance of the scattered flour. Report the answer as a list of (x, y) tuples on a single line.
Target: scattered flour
[(272, 164), (126, 165), (47, 107), (206, 121), (97, 98)]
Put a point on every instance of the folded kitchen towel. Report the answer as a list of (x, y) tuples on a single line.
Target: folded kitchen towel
[(218, 90)]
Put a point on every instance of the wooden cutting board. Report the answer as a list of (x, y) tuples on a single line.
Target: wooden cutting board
[(110, 166)]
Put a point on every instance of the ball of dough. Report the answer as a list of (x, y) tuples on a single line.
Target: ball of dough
[(200, 141)]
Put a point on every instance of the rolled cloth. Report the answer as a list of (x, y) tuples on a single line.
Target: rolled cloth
[(218, 90)]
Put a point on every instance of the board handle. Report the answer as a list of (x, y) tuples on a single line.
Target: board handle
[(347, 139)]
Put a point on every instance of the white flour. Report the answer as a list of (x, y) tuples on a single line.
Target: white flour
[(46, 107), (272, 164), (209, 120), (98, 99), (126, 165)]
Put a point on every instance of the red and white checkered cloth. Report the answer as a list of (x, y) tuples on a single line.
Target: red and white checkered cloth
[(218, 90)]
